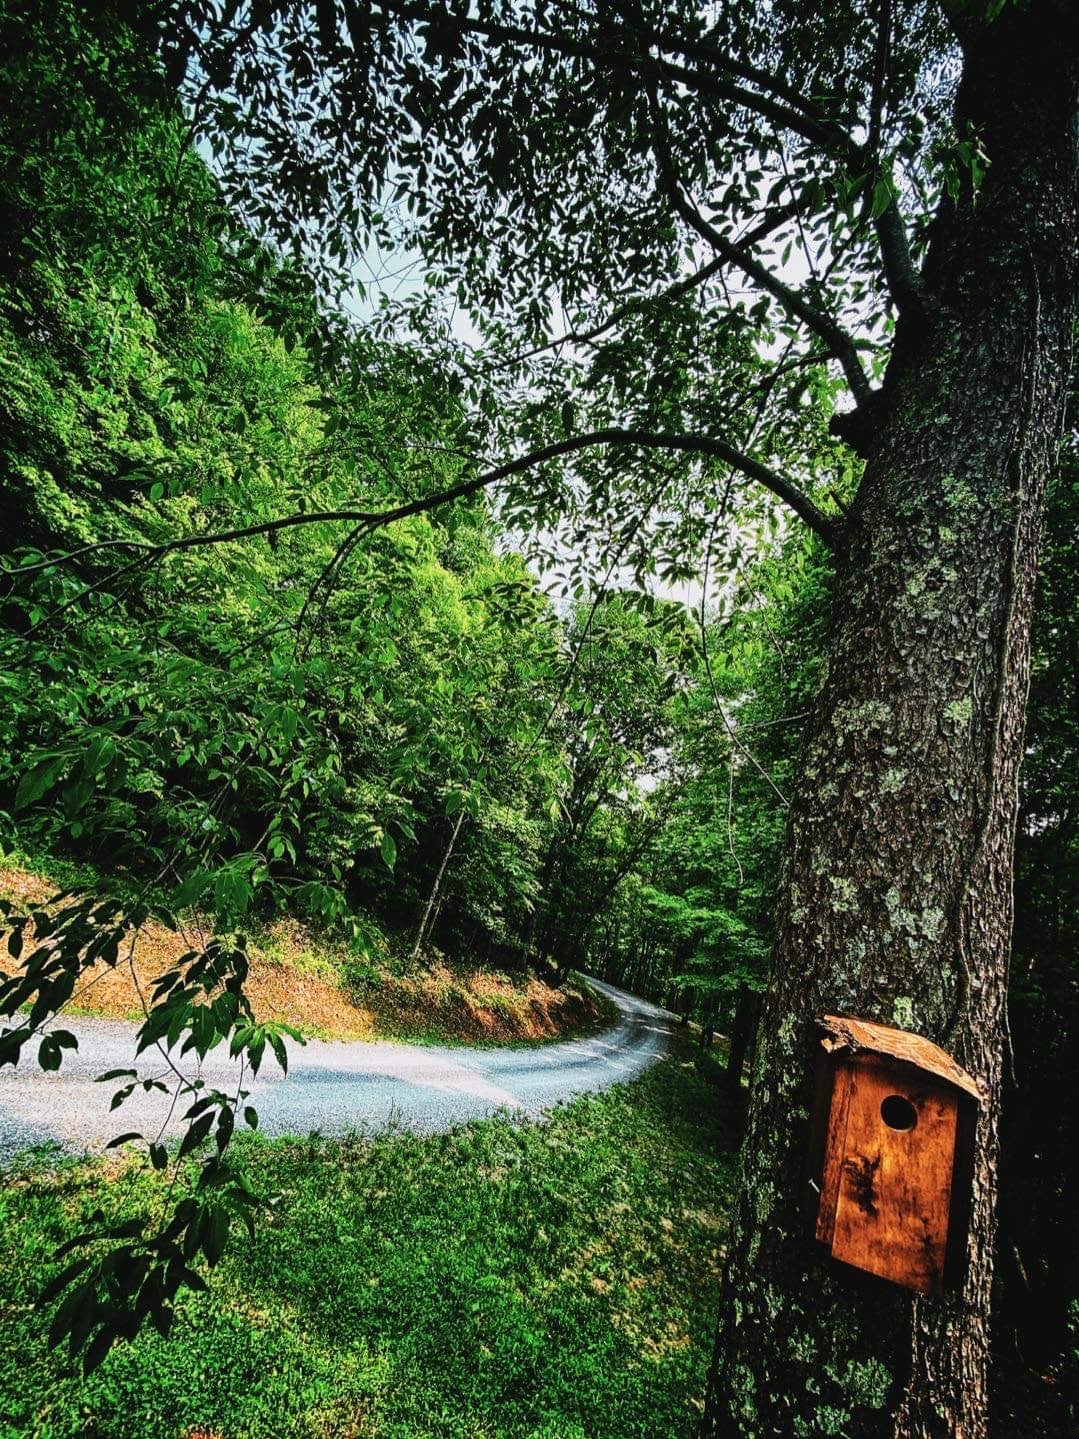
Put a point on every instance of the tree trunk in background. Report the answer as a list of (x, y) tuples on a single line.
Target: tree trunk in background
[(708, 1025), (610, 960), (436, 888), (537, 923), (897, 889), (742, 1032)]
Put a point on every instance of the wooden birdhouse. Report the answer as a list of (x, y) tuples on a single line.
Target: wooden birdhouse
[(892, 1154)]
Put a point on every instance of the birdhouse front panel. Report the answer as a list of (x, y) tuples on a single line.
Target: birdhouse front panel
[(887, 1181), (891, 1153)]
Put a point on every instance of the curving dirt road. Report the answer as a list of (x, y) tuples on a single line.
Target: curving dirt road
[(332, 1087)]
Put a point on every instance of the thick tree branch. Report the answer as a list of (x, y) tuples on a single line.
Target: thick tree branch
[(904, 283), (712, 55), (796, 305), (899, 272), (880, 73)]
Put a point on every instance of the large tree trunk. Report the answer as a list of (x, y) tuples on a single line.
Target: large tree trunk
[(897, 893)]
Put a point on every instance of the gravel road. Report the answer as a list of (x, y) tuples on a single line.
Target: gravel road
[(332, 1087)]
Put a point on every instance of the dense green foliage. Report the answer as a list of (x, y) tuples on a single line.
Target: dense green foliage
[(547, 1281), (301, 719), (285, 715), (700, 914)]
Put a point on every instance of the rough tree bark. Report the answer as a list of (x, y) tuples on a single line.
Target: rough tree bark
[(708, 1025), (897, 893)]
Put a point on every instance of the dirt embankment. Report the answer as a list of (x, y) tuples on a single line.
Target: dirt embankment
[(302, 980)]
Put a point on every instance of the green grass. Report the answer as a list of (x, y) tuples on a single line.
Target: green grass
[(547, 1281)]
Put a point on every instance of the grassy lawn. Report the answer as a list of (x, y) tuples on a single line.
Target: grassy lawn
[(552, 1281)]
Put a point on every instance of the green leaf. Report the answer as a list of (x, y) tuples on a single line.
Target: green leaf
[(883, 195), (50, 1054), (277, 1044), (389, 850), (100, 1345), (37, 781), (217, 1235), (195, 1135), (62, 1280)]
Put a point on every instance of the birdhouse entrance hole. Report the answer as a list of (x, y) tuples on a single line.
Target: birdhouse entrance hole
[(891, 1157), (898, 1113)]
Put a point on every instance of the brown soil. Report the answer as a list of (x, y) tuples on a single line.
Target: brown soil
[(295, 978)]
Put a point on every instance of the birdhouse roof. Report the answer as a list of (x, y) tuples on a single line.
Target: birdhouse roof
[(864, 1035)]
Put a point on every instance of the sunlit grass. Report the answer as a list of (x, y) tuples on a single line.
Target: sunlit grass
[(551, 1281)]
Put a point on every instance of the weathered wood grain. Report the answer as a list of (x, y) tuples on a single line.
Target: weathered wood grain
[(835, 1139), (893, 1185)]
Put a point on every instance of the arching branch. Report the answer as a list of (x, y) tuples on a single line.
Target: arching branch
[(370, 520)]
